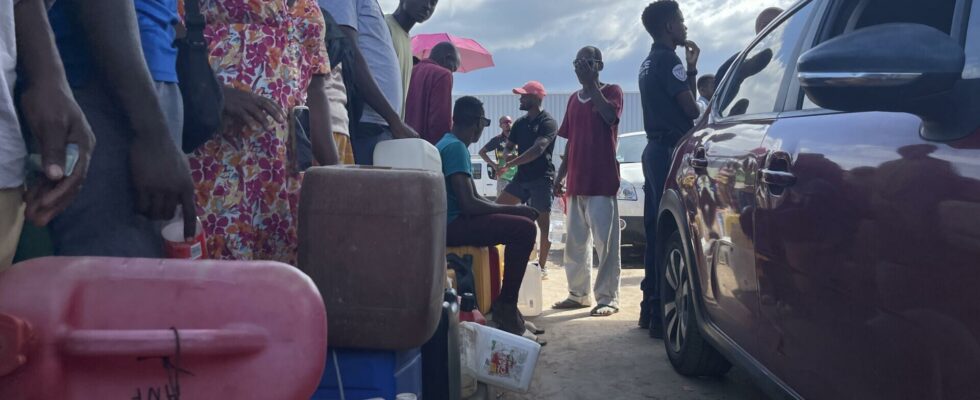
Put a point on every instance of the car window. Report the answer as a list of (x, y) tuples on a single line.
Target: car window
[(855, 15), (972, 70), (939, 13), (477, 171), (631, 149), (756, 81)]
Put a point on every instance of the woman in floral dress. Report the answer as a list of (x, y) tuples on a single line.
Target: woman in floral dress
[(266, 53)]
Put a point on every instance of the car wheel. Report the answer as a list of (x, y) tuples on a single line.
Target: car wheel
[(689, 353)]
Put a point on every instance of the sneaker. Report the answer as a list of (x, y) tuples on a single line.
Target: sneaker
[(544, 273)]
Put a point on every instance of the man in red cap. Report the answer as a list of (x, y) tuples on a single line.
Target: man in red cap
[(533, 135)]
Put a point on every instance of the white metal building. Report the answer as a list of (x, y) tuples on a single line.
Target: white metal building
[(498, 105)]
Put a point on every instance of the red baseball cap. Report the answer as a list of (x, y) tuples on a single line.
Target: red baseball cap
[(533, 88)]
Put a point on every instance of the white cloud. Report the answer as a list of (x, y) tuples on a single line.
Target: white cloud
[(540, 37)]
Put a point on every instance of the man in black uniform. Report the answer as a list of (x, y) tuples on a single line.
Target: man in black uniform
[(533, 135), (667, 92)]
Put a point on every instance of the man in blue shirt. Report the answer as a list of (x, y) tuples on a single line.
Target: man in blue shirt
[(129, 95), (669, 109), (476, 221), (377, 82)]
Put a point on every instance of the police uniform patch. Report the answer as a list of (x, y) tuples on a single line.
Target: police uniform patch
[(680, 73)]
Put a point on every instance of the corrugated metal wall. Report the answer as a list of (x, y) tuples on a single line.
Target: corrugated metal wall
[(499, 105)]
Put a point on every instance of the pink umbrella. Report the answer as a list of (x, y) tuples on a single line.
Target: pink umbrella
[(473, 55)]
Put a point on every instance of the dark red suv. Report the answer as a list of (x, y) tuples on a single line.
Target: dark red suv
[(821, 227)]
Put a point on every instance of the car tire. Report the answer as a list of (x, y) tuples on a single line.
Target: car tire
[(687, 350)]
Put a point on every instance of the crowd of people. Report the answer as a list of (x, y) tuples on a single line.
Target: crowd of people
[(93, 89)]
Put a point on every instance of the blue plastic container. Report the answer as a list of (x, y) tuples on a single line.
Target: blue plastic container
[(371, 373)]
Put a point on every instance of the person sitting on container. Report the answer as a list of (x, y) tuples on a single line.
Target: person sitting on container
[(475, 221)]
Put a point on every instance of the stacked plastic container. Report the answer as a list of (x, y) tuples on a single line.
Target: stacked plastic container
[(373, 240)]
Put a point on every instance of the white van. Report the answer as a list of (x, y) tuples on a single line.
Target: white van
[(485, 186)]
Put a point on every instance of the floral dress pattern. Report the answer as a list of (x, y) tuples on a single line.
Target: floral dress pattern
[(246, 193)]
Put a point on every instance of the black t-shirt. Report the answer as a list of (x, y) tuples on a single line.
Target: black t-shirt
[(495, 144), (524, 134), (662, 78)]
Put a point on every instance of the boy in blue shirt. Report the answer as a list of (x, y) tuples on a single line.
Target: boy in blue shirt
[(476, 221)]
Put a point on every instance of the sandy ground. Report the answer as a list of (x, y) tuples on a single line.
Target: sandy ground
[(610, 358)]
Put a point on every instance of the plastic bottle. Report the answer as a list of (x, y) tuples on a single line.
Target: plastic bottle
[(468, 311)]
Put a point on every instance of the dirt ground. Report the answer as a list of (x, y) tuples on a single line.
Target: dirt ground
[(610, 358)]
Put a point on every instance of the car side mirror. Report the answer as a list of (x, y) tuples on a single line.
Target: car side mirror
[(899, 67)]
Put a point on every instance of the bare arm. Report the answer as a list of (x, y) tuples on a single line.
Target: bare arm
[(369, 89), (686, 99), (536, 151), (562, 173), (160, 172), (471, 204), (602, 104), (588, 75), (485, 157), (114, 38), (321, 135), (51, 112)]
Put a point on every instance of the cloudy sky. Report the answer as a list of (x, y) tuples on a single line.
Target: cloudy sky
[(537, 39)]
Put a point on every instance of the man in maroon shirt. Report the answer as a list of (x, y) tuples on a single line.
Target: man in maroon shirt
[(591, 126), (428, 109)]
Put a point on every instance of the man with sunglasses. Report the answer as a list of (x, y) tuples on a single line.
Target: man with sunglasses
[(591, 125), (476, 221), (533, 135)]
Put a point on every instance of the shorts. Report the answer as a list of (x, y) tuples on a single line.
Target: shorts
[(538, 193)]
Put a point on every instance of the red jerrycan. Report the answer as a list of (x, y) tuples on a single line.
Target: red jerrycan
[(139, 329)]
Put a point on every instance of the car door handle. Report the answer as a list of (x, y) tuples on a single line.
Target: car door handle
[(698, 163), (778, 178)]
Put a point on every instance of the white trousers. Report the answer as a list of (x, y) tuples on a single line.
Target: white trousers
[(593, 221)]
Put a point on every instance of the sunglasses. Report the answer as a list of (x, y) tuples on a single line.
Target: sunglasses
[(587, 61), (485, 121)]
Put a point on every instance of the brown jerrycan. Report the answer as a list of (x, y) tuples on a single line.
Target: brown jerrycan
[(374, 242)]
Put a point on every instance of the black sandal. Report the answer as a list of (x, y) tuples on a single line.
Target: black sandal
[(569, 304)]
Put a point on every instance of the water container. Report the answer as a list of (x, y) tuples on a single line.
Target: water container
[(440, 355), (496, 271), (498, 358), (474, 273), (408, 154), (371, 373), (115, 328), (374, 241), (468, 311), (531, 297)]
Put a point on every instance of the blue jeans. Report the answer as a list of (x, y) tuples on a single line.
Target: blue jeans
[(656, 166), (365, 139)]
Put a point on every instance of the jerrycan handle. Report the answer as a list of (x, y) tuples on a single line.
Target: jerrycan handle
[(163, 342), (15, 337)]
